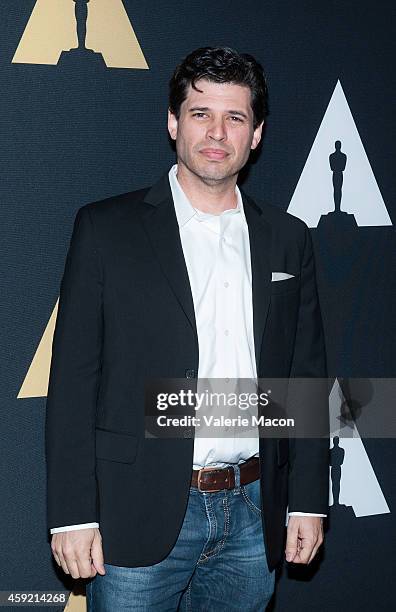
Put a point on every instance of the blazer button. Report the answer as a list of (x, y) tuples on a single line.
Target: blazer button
[(187, 433), (190, 373)]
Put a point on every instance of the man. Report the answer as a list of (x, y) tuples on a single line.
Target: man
[(175, 281)]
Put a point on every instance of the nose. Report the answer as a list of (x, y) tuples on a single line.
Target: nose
[(217, 130)]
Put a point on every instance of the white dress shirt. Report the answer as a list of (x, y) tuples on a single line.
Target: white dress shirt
[(217, 254)]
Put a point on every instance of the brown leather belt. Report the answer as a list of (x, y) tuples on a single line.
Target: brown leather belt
[(216, 478)]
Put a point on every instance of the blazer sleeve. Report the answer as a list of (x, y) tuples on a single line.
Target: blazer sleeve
[(73, 382), (309, 456)]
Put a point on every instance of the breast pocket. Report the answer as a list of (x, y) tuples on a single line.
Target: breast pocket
[(285, 286), (115, 446)]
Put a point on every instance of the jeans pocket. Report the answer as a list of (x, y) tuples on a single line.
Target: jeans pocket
[(251, 495)]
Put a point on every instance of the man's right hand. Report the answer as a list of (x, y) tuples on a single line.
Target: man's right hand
[(79, 552)]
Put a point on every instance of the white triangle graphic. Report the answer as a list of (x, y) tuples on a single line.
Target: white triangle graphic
[(361, 196), (359, 487)]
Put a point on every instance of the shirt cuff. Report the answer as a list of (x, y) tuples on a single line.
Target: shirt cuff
[(73, 527), (305, 514)]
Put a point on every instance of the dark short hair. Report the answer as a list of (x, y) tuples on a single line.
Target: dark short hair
[(220, 65)]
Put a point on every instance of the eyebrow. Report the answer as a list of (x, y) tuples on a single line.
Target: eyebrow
[(206, 108)]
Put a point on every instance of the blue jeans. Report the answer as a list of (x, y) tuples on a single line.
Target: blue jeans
[(217, 564)]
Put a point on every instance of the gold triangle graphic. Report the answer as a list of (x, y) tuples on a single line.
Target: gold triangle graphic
[(52, 28), (37, 377), (76, 603)]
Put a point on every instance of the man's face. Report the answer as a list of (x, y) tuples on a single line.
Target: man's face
[(214, 133)]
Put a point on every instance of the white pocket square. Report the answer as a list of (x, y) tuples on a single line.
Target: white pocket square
[(278, 276)]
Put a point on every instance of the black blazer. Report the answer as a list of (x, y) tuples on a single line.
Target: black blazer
[(125, 315)]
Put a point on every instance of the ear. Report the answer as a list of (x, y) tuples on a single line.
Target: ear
[(172, 124), (257, 135)]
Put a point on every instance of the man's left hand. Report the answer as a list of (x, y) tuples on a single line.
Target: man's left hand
[(304, 536)]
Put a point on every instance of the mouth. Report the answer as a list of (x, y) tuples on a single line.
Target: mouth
[(214, 153)]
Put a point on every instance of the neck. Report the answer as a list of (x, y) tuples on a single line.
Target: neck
[(209, 196)]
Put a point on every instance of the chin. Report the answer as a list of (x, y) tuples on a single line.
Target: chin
[(215, 170), (215, 174)]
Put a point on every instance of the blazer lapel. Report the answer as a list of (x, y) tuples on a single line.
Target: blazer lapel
[(162, 228), (260, 248)]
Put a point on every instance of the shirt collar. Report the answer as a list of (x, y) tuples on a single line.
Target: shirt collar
[(185, 210)]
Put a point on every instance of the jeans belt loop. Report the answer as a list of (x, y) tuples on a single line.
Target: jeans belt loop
[(237, 474)]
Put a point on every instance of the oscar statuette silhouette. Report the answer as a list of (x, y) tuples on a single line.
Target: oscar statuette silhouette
[(81, 54), (338, 219)]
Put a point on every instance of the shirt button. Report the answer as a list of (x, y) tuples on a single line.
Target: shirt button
[(226, 284), (226, 331)]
